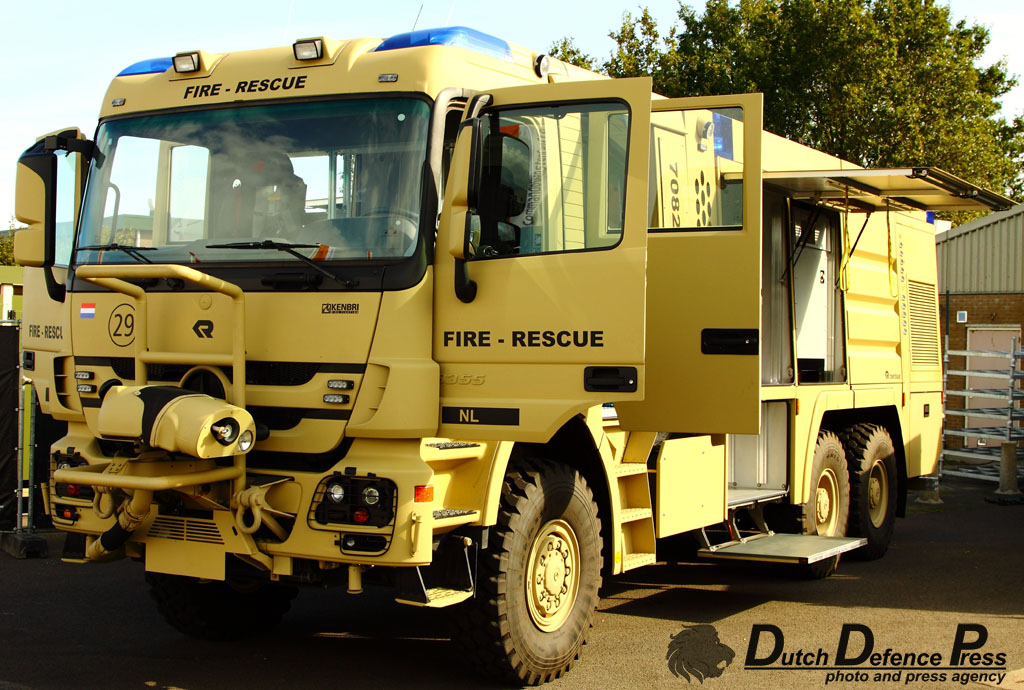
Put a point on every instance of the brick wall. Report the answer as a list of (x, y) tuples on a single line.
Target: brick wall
[(1004, 309)]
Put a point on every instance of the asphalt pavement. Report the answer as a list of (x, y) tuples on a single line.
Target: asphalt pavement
[(954, 575)]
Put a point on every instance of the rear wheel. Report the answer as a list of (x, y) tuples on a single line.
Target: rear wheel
[(827, 509), (219, 610), (872, 462), (538, 578)]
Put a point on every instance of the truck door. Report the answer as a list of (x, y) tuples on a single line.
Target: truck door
[(541, 253), (704, 268)]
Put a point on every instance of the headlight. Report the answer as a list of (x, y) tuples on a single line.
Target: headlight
[(336, 492), (371, 496), (245, 441)]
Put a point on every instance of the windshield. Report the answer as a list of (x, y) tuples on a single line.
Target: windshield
[(342, 177)]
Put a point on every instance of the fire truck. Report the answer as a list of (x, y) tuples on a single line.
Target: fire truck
[(456, 318)]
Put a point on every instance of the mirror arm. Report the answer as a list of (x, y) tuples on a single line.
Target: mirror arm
[(61, 142), (465, 287)]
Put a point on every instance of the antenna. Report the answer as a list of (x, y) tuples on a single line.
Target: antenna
[(417, 17), (288, 24)]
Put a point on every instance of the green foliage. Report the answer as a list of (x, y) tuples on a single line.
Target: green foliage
[(877, 82), (7, 249), (565, 50), (7, 244)]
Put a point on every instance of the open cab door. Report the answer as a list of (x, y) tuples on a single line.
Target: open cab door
[(704, 268), (541, 255)]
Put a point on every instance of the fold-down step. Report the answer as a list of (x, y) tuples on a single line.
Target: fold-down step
[(783, 548)]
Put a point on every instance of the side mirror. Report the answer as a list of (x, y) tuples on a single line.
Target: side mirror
[(48, 198)]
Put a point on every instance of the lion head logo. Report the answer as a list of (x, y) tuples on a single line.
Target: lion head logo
[(697, 651)]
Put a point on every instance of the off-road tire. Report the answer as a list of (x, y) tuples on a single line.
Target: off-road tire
[(827, 515), (872, 460), (497, 631), (218, 610)]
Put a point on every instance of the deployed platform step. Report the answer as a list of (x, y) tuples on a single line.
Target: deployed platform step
[(783, 548), (747, 497)]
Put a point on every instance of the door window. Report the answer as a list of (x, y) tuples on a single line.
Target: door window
[(553, 179)]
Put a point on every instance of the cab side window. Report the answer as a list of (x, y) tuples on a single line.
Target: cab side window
[(552, 179)]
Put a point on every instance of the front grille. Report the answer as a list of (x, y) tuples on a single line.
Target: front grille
[(280, 373), (185, 529), (257, 373)]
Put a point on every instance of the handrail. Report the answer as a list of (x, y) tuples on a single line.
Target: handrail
[(112, 277), (94, 475)]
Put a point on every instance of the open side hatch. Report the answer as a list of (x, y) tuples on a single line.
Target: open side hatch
[(878, 189)]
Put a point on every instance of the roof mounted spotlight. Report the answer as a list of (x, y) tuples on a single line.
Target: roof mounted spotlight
[(542, 65), (308, 48), (187, 62)]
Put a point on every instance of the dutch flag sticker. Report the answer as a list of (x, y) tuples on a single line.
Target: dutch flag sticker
[(88, 310)]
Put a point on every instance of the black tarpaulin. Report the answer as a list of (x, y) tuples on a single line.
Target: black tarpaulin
[(8, 426)]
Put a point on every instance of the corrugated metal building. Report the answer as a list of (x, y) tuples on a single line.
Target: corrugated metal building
[(981, 295), (984, 256)]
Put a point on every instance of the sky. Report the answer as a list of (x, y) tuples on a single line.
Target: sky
[(60, 55)]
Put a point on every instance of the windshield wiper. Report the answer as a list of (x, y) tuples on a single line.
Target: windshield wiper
[(288, 248), (134, 252)]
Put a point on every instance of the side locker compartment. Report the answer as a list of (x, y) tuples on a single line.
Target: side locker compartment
[(758, 463)]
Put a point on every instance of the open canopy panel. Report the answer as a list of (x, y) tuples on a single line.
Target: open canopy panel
[(922, 189)]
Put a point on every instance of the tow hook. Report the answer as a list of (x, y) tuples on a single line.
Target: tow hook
[(253, 501)]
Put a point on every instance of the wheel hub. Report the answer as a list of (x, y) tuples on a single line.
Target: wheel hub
[(878, 493), (825, 502), (823, 505), (552, 571)]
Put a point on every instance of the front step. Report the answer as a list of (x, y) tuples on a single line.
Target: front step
[(439, 597), (783, 548)]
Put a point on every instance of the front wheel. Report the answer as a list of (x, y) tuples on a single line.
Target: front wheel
[(219, 610), (872, 488), (538, 578)]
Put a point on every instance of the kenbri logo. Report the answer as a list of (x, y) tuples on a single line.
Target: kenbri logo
[(342, 308)]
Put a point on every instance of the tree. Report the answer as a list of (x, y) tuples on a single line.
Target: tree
[(7, 244), (566, 51), (876, 82)]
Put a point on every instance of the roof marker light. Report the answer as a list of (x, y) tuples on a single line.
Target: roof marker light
[(186, 62), (308, 48), (542, 65), (152, 66), (458, 36)]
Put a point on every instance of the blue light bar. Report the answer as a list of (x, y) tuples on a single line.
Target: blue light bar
[(153, 66), (723, 136), (458, 36)]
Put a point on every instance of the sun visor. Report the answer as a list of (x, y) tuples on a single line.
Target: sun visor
[(920, 189)]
